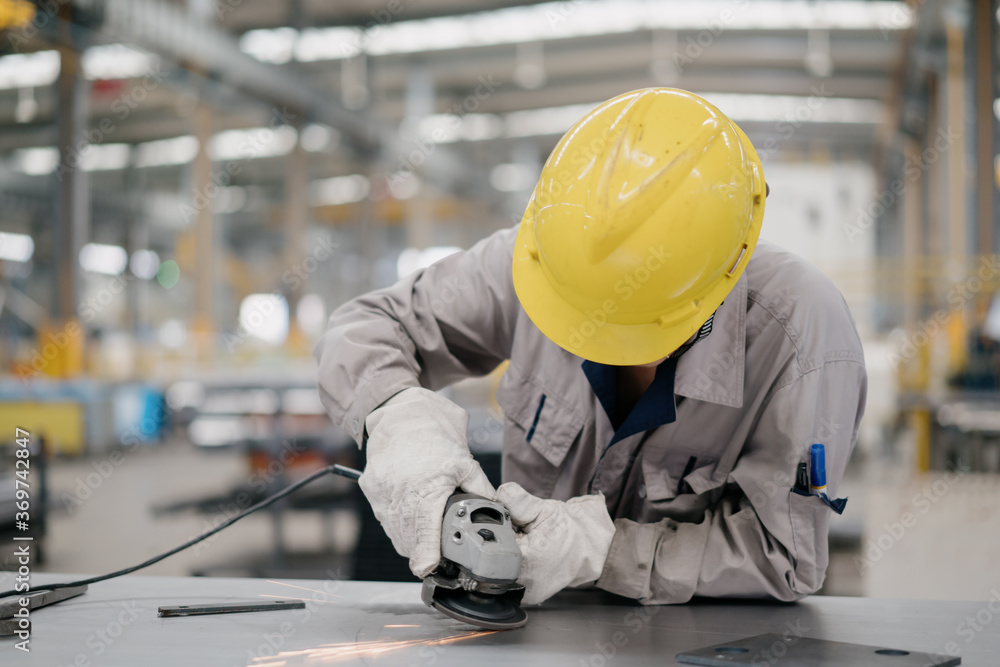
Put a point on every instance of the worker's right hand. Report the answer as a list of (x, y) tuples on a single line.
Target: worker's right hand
[(417, 456)]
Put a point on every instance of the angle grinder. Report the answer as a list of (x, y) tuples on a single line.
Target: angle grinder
[(476, 580)]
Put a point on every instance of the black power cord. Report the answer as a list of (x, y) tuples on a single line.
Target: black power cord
[(334, 469)]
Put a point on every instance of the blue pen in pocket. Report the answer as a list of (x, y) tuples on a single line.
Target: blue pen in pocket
[(817, 480), (817, 468)]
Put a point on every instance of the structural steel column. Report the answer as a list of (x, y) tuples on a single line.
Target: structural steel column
[(916, 378), (202, 187), (296, 221), (955, 94), (985, 29), (419, 209), (72, 219), (913, 217), (937, 229)]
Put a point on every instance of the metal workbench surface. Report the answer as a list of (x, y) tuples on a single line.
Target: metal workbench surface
[(349, 622)]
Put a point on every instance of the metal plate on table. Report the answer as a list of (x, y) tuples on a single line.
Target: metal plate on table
[(11, 626), (784, 649), (229, 608), (39, 598)]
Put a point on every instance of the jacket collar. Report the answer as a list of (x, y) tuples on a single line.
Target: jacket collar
[(712, 370)]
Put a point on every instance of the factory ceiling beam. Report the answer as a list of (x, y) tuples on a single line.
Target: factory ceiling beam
[(170, 31), (596, 89), (745, 52), (156, 118), (13, 137), (267, 13)]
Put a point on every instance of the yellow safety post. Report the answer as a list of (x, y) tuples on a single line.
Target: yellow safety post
[(920, 422), (15, 14), (60, 350)]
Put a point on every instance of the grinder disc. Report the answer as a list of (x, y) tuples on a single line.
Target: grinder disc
[(486, 611)]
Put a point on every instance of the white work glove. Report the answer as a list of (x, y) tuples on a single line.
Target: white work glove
[(417, 457), (563, 544)]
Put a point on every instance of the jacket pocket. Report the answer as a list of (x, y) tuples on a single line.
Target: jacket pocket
[(810, 523), (544, 421), (702, 478), (677, 473)]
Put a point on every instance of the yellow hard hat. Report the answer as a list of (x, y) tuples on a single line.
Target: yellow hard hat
[(645, 216)]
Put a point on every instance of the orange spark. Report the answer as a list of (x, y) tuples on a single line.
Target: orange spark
[(311, 590), (335, 652)]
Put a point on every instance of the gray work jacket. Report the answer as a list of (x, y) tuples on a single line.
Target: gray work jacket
[(782, 369)]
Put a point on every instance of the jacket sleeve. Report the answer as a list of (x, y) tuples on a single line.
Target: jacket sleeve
[(761, 539), (452, 320)]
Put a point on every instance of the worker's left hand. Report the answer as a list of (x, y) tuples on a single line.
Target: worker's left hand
[(563, 544)]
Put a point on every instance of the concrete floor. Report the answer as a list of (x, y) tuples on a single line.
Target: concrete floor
[(948, 549)]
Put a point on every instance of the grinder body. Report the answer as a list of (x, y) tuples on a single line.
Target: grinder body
[(476, 581)]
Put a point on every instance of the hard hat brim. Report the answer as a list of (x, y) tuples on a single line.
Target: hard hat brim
[(590, 335)]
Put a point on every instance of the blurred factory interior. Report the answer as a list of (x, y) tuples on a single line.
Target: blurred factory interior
[(188, 189)]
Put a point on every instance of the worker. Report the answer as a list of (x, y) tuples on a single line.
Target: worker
[(667, 374)]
